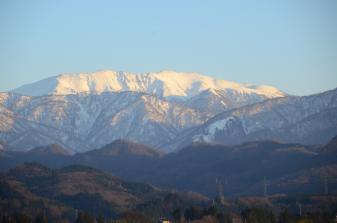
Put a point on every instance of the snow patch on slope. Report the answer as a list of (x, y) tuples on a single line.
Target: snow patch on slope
[(212, 129)]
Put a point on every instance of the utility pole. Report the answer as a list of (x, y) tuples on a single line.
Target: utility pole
[(76, 214), (300, 208), (264, 187), (326, 186), (220, 190), (221, 196)]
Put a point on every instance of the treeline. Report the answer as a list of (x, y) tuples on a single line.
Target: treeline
[(23, 218), (192, 214)]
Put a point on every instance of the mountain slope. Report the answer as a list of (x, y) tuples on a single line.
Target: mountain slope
[(85, 121), (309, 120), (23, 134)]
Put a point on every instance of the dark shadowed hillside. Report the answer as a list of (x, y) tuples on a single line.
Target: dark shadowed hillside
[(240, 170), (59, 192)]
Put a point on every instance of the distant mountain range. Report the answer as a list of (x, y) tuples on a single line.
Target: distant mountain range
[(165, 110), (240, 169)]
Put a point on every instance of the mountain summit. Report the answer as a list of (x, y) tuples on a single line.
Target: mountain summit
[(168, 84)]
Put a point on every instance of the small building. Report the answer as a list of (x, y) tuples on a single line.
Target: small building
[(164, 220)]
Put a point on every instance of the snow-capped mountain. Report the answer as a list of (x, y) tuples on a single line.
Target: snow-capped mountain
[(163, 110), (308, 120), (165, 84), (86, 121)]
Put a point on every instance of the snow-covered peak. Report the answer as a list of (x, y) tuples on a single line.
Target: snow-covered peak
[(163, 84)]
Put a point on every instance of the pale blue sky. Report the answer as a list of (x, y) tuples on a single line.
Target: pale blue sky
[(291, 44)]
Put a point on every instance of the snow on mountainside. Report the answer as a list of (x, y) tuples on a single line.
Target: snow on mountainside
[(22, 134), (163, 84), (308, 120), (163, 110), (85, 121), (216, 101)]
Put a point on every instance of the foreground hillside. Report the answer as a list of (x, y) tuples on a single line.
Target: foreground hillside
[(35, 193), (33, 188)]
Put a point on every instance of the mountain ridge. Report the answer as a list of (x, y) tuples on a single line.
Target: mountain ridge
[(163, 84)]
